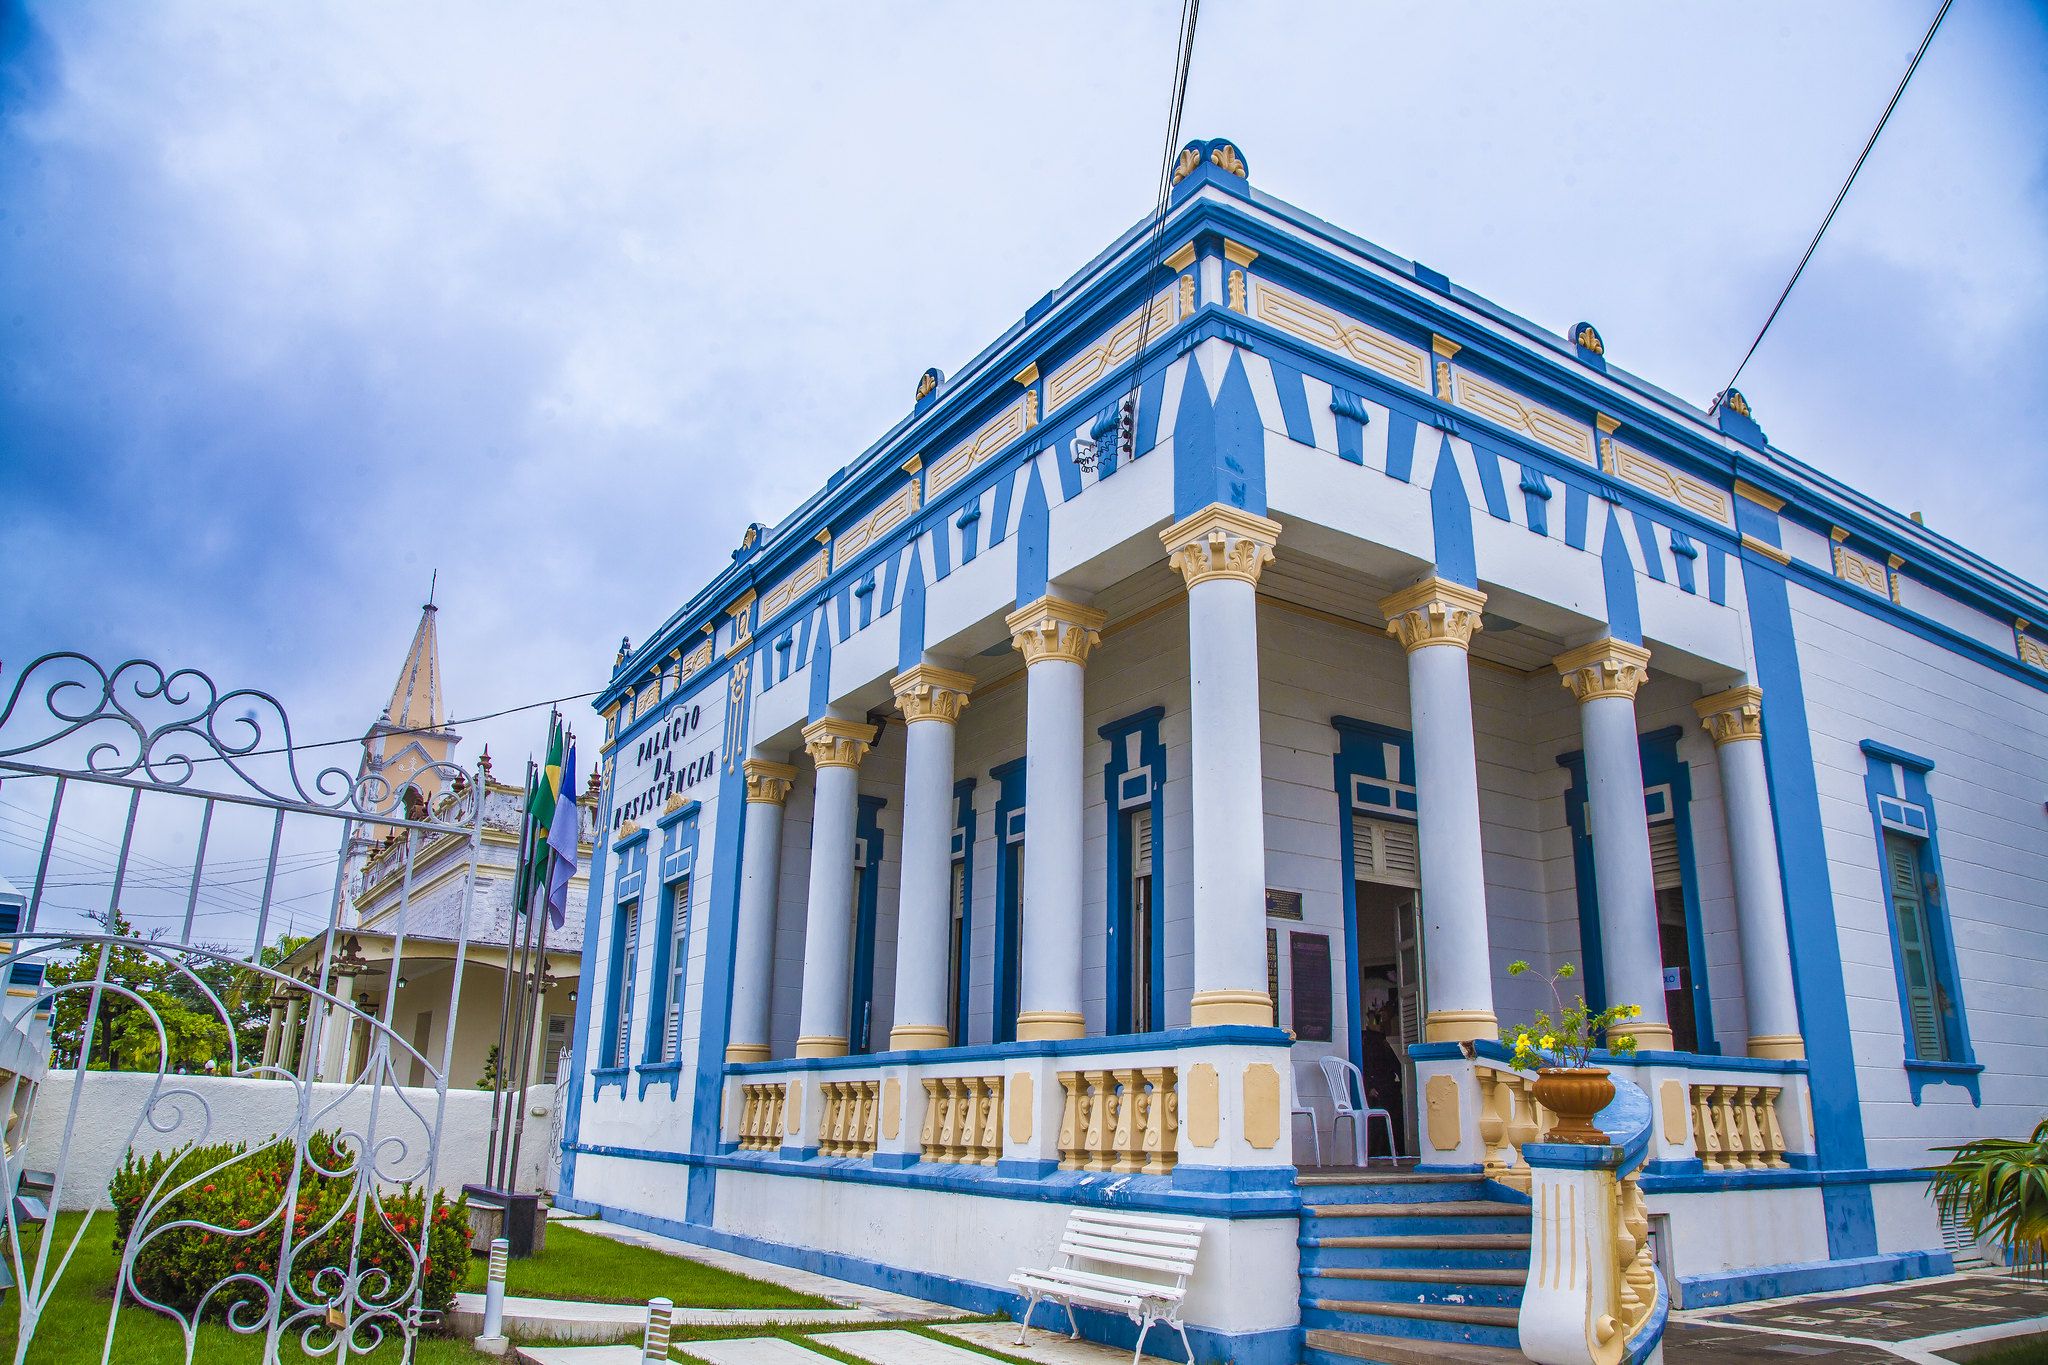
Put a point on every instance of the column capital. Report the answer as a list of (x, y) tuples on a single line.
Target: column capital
[(835, 743), (1605, 668), (1054, 628), (927, 692), (769, 782), (1435, 611), (1735, 714), (1220, 542)]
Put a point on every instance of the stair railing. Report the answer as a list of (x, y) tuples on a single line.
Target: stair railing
[(1594, 1296)]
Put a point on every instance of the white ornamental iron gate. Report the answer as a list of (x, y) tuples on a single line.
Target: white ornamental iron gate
[(86, 748)]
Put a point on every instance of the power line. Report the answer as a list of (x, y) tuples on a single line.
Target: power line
[(1913, 66), (1190, 13)]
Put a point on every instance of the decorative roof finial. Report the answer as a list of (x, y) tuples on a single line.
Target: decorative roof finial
[(928, 383), (1587, 338), (1735, 402), (485, 762), (1218, 152)]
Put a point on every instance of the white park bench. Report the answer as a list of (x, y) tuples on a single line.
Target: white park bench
[(1104, 1257)]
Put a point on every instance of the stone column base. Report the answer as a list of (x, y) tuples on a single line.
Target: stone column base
[(1231, 1007), (1781, 1047), (1037, 1025), (818, 1046), (746, 1052), (917, 1037), (1650, 1037), (1458, 1026)]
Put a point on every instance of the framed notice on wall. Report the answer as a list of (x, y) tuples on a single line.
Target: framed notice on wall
[(1283, 904), (1309, 959), (1273, 969)]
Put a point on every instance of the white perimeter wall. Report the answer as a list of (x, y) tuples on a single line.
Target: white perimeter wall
[(1988, 736), (238, 1110)]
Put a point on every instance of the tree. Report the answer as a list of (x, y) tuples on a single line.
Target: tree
[(1999, 1188)]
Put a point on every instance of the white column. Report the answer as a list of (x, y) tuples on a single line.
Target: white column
[(1054, 635), (930, 699), (334, 1034), (273, 1035), (1735, 719), (753, 952), (1435, 621), (837, 747), (1219, 552), (1604, 676)]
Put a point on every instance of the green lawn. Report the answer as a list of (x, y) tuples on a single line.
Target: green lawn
[(2028, 1351), (73, 1327), (584, 1265)]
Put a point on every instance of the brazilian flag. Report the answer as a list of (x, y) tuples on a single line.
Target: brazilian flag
[(540, 809)]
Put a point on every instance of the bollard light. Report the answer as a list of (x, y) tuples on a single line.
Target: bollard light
[(655, 1350), (493, 1338)]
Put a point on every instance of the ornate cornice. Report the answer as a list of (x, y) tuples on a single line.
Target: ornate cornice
[(927, 692), (1434, 612), (1054, 628), (1220, 542), (769, 782), (1605, 668), (1735, 714), (835, 743)]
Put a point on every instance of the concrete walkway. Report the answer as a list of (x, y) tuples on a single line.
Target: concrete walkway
[(1937, 1321)]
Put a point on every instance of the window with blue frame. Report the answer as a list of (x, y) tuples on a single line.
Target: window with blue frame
[(625, 958), (1009, 833), (1681, 934), (1131, 781), (960, 893), (1937, 1038), (672, 936)]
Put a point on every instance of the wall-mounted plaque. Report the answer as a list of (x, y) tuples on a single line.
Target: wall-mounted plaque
[(1283, 904), (1309, 956)]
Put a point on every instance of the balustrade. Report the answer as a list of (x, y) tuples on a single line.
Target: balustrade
[(761, 1111), (1123, 1119), (1509, 1118), (1735, 1128), (852, 1111), (963, 1120)]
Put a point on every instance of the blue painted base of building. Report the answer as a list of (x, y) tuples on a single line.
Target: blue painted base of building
[(1810, 1277), (1281, 1346)]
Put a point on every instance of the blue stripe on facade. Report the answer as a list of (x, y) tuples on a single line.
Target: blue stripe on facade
[(1488, 462), (1400, 445), (910, 625), (1034, 541), (1150, 396), (1618, 572), (1717, 575), (1809, 904), (1070, 473), (1293, 391), (999, 519), (1575, 499), (1646, 537), (1450, 513)]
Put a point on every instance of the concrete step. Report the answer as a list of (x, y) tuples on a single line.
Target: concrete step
[(1325, 1347), (1482, 1325), (1438, 1208), (1469, 1241), (1513, 1278), (1451, 1292), (1408, 1189), (1429, 1256)]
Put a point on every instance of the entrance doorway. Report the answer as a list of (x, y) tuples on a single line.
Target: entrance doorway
[(1391, 1004), (1674, 936)]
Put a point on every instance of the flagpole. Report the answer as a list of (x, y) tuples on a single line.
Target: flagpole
[(505, 996), (506, 1173), (526, 1043), (545, 911), (533, 881)]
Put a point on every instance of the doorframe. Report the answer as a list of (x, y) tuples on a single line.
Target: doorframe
[(1362, 753)]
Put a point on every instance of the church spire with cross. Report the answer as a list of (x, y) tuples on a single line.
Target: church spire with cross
[(412, 734)]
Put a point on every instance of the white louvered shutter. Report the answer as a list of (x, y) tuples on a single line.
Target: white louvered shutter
[(1385, 852), (1664, 869), (1902, 860), (1141, 842), (678, 962), (630, 932)]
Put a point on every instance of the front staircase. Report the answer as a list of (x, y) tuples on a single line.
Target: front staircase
[(1401, 1268)]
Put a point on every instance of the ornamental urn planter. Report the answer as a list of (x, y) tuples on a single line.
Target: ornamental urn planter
[(1575, 1096)]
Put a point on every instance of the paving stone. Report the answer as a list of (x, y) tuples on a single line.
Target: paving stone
[(1052, 1347), (752, 1351), (897, 1348)]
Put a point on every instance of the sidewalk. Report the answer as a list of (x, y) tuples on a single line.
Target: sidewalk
[(1930, 1322)]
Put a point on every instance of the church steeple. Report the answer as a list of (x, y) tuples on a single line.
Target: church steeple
[(416, 701)]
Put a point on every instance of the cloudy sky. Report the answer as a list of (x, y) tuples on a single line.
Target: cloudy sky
[(304, 303)]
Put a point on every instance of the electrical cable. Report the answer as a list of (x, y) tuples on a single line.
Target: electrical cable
[(1190, 14), (1839, 197)]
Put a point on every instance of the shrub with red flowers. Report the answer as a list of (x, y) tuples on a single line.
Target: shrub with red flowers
[(237, 1201)]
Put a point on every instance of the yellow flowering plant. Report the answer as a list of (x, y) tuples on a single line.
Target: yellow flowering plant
[(1566, 1042)]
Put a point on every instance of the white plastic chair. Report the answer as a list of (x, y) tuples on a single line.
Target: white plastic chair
[(1341, 1074), (1302, 1111)]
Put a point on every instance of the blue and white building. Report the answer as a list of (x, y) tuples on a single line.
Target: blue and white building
[(1243, 660)]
